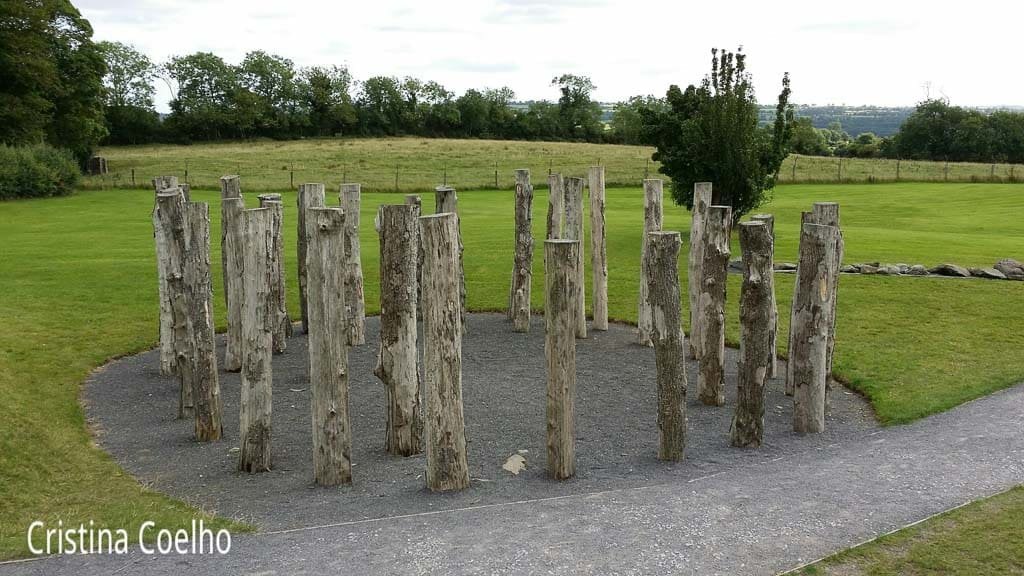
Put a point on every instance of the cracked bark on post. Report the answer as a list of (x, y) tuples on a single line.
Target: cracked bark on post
[(172, 212), (573, 230), (805, 218), (653, 216), (598, 248), (447, 467), (522, 265), (309, 196), (714, 269), (168, 363), (701, 204), (203, 357), (257, 342), (282, 324), (561, 259), (754, 365), (328, 350), (231, 255), (773, 347), (355, 306), (446, 200), (662, 269), (397, 365), (415, 201), (556, 207), (827, 214)]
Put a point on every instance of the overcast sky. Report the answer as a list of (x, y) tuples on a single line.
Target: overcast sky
[(866, 52)]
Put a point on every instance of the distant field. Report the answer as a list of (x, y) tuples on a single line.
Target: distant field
[(415, 164)]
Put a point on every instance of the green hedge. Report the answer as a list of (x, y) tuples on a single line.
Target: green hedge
[(36, 172)]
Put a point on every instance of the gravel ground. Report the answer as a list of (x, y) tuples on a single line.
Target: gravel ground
[(131, 409)]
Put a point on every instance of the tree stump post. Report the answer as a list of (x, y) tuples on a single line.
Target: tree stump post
[(309, 196), (203, 354), (662, 268), (755, 334), (172, 211), (447, 467), (447, 201), (522, 265), (653, 216), (231, 247), (773, 369), (328, 350), (573, 230), (415, 201), (355, 305), (598, 248), (711, 352), (811, 309), (556, 206), (257, 342), (397, 366), (282, 323), (168, 362), (827, 214), (560, 310), (805, 218), (699, 216)]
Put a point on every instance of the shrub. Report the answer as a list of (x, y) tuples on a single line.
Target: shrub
[(36, 171)]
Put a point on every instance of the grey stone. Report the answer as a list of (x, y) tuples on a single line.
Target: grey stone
[(736, 265), (850, 269), (990, 273), (904, 268), (951, 270), (868, 269), (785, 267), (917, 270), (1011, 268), (889, 270)]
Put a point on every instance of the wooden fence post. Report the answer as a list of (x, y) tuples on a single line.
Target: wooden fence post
[(355, 306), (755, 334), (282, 324), (447, 467), (203, 353), (328, 350), (168, 362), (573, 198), (769, 222), (522, 265), (827, 214), (309, 196), (598, 248), (699, 216), (397, 365), (805, 218), (560, 310), (415, 201), (711, 372), (257, 343), (447, 201), (231, 253), (556, 206), (662, 268), (172, 211), (653, 216)]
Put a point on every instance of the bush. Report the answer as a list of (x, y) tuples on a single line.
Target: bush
[(36, 172)]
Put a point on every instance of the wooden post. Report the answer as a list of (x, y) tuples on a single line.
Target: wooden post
[(809, 355), (186, 191), (257, 343), (168, 362), (827, 214), (598, 249), (755, 334), (769, 222), (699, 216), (282, 324), (447, 468), (309, 196), (653, 215), (171, 210), (556, 206), (203, 353), (231, 253), (415, 201), (328, 352), (355, 306), (397, 365), (560, 279), (573, 197), (714, 268), (447, 201), (522, 265), (662, 268), (805, 218)]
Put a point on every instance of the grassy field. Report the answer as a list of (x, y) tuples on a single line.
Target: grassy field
[(79, 287), (415, 164)]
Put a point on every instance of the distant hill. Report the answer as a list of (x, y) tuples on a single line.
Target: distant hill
[(883, 121)]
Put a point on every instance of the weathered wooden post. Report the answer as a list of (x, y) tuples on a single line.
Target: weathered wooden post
[(711, 349), (522, 265), (355, 307), (203, 353), (556, 206), (282, 324), (397, 365), (755, 334), (598, 248), (231, 247), (447, 468), (662, 268), (168, 362), (309, 196), (560, 310), (805, 218), (653, 216), (699, 215), (827, 214), (573, 230), (447, 201), (769, 222), (186, 191), (173, 213), (257, 342), (811, 308), (415, 201), (328, 350)]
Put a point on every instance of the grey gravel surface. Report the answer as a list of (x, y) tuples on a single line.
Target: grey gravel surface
[(724, 510)]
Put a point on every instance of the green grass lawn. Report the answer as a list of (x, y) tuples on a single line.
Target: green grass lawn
[(78, 278)]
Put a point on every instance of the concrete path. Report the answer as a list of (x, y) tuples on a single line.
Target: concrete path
[(761, 519)]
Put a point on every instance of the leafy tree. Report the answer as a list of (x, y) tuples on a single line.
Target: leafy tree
[(326, 95), (129, 77), (865, 145), (711, 133), (270, 80), (381, 106), (579, 115), (204, 106), (627, 118), (808, 140)]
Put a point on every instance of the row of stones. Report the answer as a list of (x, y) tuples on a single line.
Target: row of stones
[(1006, 269)]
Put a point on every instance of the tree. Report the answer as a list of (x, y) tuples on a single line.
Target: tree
[(204, 106), (270, 80), (579, 116), (808, 140), (627, 118), (710, 133), (381, 106), (325, 93), (128, 108)]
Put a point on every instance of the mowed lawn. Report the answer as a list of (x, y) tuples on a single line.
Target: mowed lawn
[(79, 282)]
